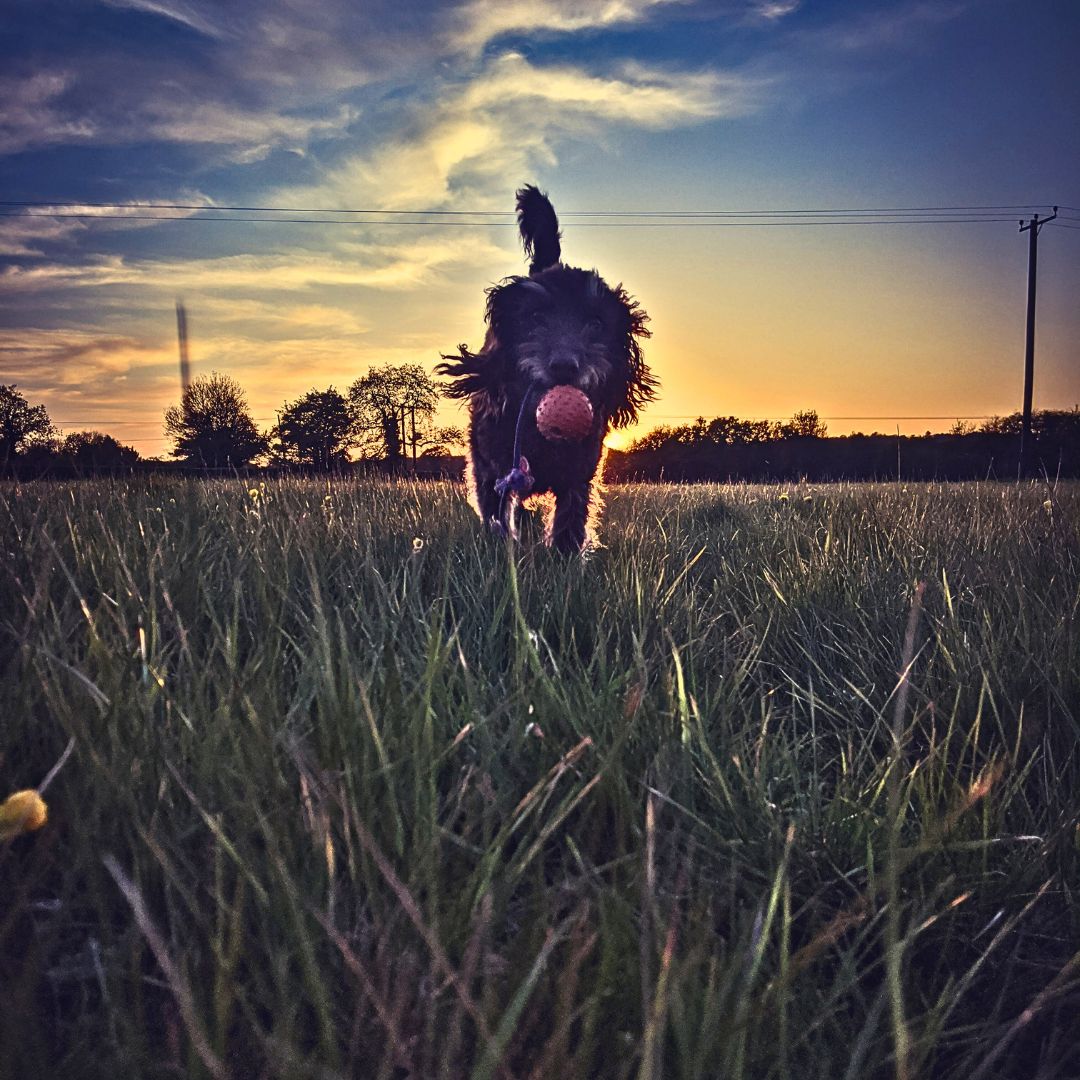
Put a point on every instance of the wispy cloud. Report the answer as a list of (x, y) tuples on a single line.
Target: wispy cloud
[(192, 15), (635, 95), (46, 109), (37, 231), (481, 21), (774, 10), (898, 26), (497, 128), (385, 265), (236, 80), (245, 135), (92, 378), (33, 115)]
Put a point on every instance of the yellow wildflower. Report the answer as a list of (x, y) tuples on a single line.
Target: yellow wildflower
[(22, 812)]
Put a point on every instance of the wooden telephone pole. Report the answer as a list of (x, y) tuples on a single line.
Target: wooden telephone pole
[(1032, 229)]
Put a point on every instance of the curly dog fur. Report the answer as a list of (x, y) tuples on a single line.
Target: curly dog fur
[(560, 325)]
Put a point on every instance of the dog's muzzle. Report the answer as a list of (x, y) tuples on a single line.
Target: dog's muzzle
[(564, 369)]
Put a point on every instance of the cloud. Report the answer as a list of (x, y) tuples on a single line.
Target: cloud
[(900, 26), (774, 10), (246, 135), (270, 318), (247, 75), (38, 231), (481, 21), (26, 236), (190, 15), (50, 108), (636, 95), (82, 371), (383, 265), (32, 115), (487, 133)]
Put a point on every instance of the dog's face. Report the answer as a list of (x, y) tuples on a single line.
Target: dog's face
[(566, 326)]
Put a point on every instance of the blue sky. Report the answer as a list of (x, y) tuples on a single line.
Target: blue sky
[(613, 105)]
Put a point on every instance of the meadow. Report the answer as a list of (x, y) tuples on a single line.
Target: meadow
[(781, 782)]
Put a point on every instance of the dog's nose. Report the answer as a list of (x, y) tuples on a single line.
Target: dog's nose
[(564, 367)]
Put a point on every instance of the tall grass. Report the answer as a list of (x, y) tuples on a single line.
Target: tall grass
[(779, 783)]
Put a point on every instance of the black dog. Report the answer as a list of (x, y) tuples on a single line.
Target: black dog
[(558, 326)]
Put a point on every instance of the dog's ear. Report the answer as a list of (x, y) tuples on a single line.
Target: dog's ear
[(633, 385), (467, 372), (509, 307), (482, 376)]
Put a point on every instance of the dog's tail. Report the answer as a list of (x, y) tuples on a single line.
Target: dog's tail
[(539, 228)]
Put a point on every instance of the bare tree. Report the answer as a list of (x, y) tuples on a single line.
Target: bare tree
[(440, 441), (394, 406)]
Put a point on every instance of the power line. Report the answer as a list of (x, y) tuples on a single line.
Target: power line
[(994, 208), (750, 222), (834, 217)]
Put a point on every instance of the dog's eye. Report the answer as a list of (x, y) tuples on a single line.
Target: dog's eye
[(594, 325)]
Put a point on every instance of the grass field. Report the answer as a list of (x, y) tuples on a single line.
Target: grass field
[(782, 782)]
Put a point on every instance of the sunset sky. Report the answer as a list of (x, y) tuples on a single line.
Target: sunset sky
[(635, 108)]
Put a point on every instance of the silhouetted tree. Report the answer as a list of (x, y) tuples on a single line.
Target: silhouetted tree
[(1003, 425), (317, 429), (212, 425), (21, 424), (1057, 423), (657, 439), (721, 431), (731, 431), (803, 425), (727, 447), (94, 450), (438, 442), (394, 407)]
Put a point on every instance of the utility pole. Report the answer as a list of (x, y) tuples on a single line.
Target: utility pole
[(1032, 229)]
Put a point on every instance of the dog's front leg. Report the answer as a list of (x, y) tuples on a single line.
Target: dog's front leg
[(493, 508), (569, 523)]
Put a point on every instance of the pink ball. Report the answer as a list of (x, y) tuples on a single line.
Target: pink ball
[(564, 414)]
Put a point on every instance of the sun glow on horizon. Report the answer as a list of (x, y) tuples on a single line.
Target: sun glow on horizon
[(621, 439)]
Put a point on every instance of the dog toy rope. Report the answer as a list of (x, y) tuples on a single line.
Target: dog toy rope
[(519, 479)]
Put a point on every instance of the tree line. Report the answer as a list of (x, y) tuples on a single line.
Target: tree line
[(387, 415), (728, 448)]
